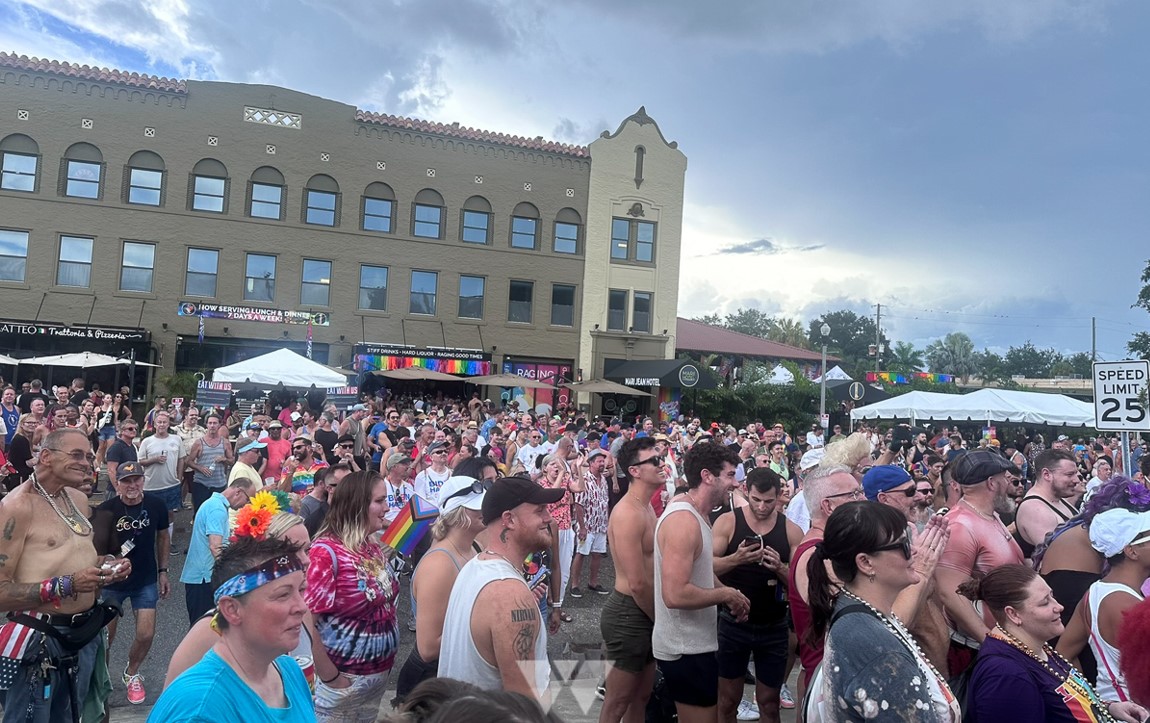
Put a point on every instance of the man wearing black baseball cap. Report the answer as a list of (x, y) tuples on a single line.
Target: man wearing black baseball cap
[(978, 543), (491, 597)]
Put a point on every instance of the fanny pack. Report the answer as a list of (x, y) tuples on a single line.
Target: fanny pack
[(72, 638)]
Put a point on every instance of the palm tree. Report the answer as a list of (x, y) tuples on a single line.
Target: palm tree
[(953, 354), (905, 358), (789, 331)]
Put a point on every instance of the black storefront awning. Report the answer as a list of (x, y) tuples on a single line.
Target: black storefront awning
[(681, 373)]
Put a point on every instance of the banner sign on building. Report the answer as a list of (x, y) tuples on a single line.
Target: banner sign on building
[(252, 313), (74, 331), (342, 397), (213, 394), (449, 360)]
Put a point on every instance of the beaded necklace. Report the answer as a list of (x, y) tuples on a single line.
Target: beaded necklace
[(896, 626), (1072, 679)]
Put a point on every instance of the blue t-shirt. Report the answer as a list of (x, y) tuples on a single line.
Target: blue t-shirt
[(212, 519), (211, 692), (377, 429)]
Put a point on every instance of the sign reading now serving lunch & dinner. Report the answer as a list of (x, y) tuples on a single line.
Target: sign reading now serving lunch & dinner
[(252, 313)]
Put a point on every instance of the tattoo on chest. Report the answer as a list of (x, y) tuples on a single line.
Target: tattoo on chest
[(524, 642), (3, 559), (522, 615), (9, 528)]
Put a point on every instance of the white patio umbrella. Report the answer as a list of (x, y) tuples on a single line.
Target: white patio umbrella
[(83, 360)]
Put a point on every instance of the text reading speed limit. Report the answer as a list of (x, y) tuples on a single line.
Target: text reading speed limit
[(1120, 396)]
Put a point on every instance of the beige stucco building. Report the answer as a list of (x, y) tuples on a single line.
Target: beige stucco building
[(139, 214)]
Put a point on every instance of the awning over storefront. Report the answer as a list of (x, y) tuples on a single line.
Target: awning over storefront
[(681, 373)]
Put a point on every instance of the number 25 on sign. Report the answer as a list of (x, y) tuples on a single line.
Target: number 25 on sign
[(1120, 396)]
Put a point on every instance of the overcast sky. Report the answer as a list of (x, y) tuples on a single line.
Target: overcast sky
[(974, 165)]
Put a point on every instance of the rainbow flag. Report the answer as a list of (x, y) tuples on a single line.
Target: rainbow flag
[(409, 527)]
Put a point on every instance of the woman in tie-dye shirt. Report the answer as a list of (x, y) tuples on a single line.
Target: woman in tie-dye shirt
[(351, 593)]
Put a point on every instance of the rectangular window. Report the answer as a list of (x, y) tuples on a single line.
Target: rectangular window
[(423, 290), (260, 278), (75, 265), (267, 201), (428, 221), (519, 301), (138, 266), (523, 232), (373, 287), (144, 186), (471, 289), (13, 254), (377, 214), (566, 238), (616, 310), (475, 227), (562, 305), (632, 240), (83, 180), (320, 208), (19, 172), (203, 268), (641, 311), (208, 194), (316, 286)]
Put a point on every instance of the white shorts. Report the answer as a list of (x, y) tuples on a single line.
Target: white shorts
[(595, 542)]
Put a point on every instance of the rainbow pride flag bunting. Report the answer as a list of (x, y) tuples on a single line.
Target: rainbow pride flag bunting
[(409, 527)]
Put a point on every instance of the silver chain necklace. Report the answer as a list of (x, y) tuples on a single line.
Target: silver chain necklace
[(75, 521)]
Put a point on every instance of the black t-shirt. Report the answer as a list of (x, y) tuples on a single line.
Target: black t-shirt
[(25, 401), (115, 523), (121, 452)]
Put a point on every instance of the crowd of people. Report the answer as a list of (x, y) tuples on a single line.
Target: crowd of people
[(908, 574)]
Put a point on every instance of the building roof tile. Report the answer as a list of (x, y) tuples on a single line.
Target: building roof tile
[(693, 335), (87, 72), (454, 130)]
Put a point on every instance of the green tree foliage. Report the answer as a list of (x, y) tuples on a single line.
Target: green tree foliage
[(905, 359), (1139, 345), (990, 367), (1029, 361), (795, 405), (953, 354), (922, 385), (753, 322), (850, 338)]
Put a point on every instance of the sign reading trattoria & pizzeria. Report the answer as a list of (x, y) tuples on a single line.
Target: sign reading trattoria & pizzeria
[(252, 313), (63, 331)]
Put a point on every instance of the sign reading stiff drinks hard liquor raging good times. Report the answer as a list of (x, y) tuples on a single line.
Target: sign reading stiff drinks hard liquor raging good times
[(1120, 396)]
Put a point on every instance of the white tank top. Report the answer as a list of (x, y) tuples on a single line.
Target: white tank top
[(458, 656), (1111, 683), (685, 632)]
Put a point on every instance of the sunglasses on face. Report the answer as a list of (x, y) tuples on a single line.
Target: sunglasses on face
[(653, 461), (908, 492), (903, 544), (341, 446), (475, 488)]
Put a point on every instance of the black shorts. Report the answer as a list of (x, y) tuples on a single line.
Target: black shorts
[(692, 679), (767, 643), (626, 633)]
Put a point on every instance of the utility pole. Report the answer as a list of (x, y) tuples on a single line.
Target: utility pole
[(1093, 340), (877, 335)]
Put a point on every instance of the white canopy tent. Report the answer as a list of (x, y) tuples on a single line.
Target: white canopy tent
[(281, 366), (984, 405), (780, 375), (834, 373)]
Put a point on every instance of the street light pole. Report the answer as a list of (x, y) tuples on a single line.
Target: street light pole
[(825, 330)]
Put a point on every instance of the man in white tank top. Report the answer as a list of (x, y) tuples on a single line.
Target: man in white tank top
[(687, 593), (492, 632)]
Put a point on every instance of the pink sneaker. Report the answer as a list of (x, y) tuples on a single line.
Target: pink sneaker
[(136, 692)]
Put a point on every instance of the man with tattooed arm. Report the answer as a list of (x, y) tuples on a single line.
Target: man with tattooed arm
[(492, 632)]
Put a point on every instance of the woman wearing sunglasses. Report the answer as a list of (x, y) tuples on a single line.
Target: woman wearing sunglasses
[(871, 663), (460, 503)]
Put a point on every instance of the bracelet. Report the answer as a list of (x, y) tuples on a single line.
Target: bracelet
[(46, 590), (556, 604), (162, 569), (332, 678)]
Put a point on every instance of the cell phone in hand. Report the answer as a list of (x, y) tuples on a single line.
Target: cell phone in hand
[(753, 541)]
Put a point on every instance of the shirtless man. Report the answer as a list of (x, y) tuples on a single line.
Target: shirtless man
[(50, 570), (629, 614), (1047, 504), (492, 632)]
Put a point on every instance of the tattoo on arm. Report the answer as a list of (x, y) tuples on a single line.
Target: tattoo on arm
[(9, 528), (523, 615), (524, 642)]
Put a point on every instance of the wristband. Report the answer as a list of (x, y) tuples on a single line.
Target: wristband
[(162, 569), (46, 588), (557, 605), (331, 679)]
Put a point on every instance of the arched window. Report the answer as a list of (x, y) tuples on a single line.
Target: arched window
[(475, 221), (525, 227), (378, 207), (144, 179), (568, 231), (266, 194), (19, 160), (208, 187), (427, 214), (321, 201), (81, 170)]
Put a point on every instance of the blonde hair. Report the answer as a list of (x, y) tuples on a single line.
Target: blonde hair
[(347, 515), (282, 522), (448, 521), (847, 452)]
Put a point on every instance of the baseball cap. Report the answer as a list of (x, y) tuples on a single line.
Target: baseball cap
[(1114, 529), (129, 469), (295, 416), (459, 491), (435, 446), (277, 424), (978, 465), (345, 438), (358, 408), (397, 459), (254, 444), (811, 459), (254, 425), (302, 438), (510, 492), (883, 477)]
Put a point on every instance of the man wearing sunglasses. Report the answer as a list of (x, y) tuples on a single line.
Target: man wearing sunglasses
[(299, 470)]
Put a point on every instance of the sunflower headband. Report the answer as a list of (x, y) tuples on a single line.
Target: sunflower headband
[(252, 519)]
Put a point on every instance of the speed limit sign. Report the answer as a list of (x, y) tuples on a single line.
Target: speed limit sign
[(1119, 396)]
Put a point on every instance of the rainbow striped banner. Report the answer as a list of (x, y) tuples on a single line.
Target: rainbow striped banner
[(409, 527), (900, 378), (374, 362)]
